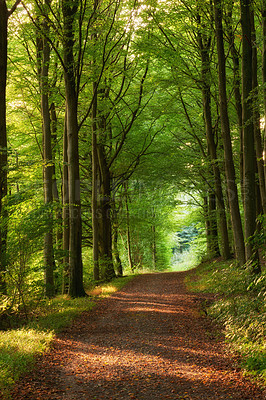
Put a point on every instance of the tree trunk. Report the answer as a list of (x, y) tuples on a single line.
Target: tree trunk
[(212, 215), (248, 134), (237, 92), (204, 43), (154, 247), (129, 253), (206, 94), (117, 260), (56, 197), (94, 202), (47, 162), (101, 186), (207, 224), (105, 222), (65, 202), (256, 119), (75, 253), (228, 153), (264, 79), (3, 143)]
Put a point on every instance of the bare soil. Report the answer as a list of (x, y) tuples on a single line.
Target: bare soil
[(148, 341)]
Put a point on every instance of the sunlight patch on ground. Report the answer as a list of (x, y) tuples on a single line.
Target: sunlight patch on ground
[(106, 358)]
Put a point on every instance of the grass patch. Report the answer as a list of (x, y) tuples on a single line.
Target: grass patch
[(20, 347), (240, 306), (18, 350)]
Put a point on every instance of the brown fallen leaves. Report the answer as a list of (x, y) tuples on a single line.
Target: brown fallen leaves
[(146, 342)]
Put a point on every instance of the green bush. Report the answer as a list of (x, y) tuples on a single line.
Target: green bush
[(240, 306)]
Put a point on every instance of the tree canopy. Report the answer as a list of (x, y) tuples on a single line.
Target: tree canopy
[(129, 130)]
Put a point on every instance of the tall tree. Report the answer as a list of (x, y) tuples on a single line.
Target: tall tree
[(4, 15), (204, 43), (230, 33), (227, 144), (264, 77), (48, 167), (248, 133), (95, 190), (256, 120), (112, 120), (69, 11), (3, 141), (65, 213), (129, 250)]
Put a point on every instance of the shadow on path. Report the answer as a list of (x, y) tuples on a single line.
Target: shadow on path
[(146, 342)]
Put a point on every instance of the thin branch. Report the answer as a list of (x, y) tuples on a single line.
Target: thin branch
[(10, 12)]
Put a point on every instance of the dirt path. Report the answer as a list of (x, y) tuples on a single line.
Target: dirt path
[(146, 342)]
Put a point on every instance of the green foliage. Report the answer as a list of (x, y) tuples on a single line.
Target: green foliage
[(27, 223), (240, 307)]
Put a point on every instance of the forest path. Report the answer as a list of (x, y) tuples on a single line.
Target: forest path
[(146, 342)]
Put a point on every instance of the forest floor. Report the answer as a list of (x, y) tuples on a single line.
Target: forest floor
[(149, 341)]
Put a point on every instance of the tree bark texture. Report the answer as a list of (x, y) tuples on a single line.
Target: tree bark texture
[(117, 260), (65, 216), (75, 253), (3, 142), (264, 79), (256, 120), (47, 162), (56, 197), (226, 136), (94, 203), (206, 95), (213, 229), (237, 91), (105, 215), (248, 132), (211, 225), (129, 253), (154, 247)]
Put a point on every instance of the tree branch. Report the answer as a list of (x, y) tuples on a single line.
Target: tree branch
[(10, 12)]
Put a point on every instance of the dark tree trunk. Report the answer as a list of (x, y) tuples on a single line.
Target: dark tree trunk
[(154, 247), (101, 205), (95, 177), (248, 134), (256, 120), (47, 162), (228, 153), (264, 79), (211, 225), (65, 202), (117, 260), (105, 221), (129, 253), (3, 143), (225, 248), (212, 215), (75, 258), (237, 92), (207, 225), (56, 197), (101, 186), (206, 94)]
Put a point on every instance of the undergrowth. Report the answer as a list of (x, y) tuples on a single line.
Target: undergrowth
[(19, 347), (240, 306)]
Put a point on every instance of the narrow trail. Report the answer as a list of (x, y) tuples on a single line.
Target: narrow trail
[(147, 342)]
